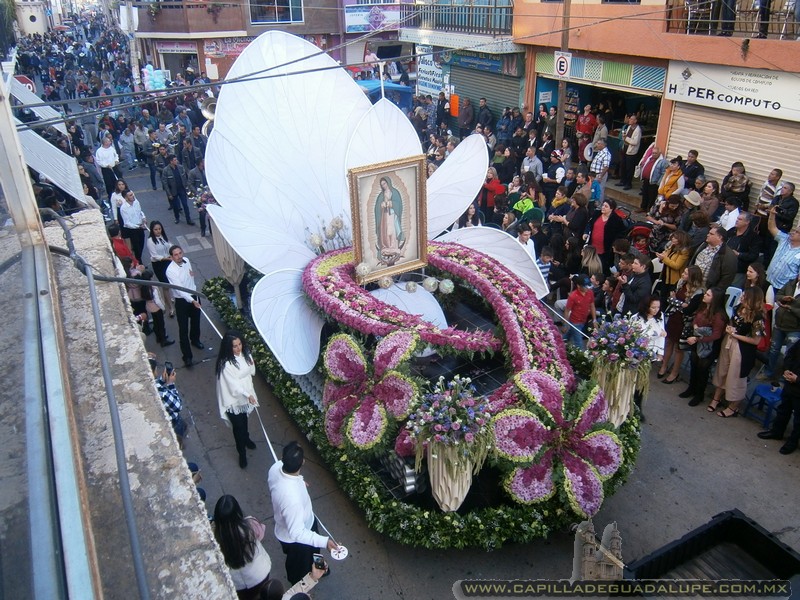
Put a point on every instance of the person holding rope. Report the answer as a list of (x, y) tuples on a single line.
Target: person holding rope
[(295, 523)]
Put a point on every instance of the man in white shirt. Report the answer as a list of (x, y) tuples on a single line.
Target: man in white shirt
[(107, 159), (632, 140), (187, 306), (727, 220), (524, 238), (295, 523)]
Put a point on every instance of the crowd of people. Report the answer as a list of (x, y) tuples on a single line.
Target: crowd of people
[(706, 273)]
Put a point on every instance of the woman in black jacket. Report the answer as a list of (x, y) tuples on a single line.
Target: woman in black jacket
[(604, 227)]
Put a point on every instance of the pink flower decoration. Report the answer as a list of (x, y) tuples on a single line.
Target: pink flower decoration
[(584, 451), (395, 391), (344, 360), (531, 339), (359, 403), (404, 445), (367, 424)]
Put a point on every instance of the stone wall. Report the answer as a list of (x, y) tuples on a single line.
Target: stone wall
[(181, 557)]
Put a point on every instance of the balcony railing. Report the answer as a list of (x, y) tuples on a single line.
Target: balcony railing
[(774, 19), (485, 17)]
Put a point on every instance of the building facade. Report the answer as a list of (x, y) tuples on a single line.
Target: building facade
[(465, 48), (209, 36), (724, 85)]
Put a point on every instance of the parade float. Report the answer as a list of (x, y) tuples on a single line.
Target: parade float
[(418, 361)]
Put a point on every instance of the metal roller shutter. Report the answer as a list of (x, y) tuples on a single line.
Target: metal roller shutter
[(354, 52), (499, 90), (723, 137)]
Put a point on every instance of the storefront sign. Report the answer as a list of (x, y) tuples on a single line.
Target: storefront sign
[(429, 72), (752, 91), (222, 47), (478, 63), (176, 47), (366, 17), (562, 64)]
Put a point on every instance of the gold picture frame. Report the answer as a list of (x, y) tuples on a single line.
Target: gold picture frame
[(388, 203)]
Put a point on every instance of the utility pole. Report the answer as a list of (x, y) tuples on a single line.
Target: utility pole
[(562, 83), (132, 45)]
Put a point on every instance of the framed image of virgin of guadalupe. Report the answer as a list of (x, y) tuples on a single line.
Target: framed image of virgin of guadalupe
[(388, 204)]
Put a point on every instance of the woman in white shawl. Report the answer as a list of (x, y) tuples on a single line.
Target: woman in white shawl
[(235, 392)]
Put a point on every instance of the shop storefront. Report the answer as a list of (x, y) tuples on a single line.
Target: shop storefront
[(176, 55), (474, 75), (732, 114), (621, 88)]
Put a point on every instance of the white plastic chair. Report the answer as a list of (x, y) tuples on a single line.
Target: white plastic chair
[(732, 297)]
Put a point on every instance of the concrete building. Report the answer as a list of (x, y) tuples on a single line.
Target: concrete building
[(208, 36), (467, 50), (697, 81)]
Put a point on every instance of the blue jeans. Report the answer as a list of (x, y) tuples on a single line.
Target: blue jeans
[(574, 335), (779, 337)]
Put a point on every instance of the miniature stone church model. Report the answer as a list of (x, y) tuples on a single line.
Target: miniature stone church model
[(597, 562)]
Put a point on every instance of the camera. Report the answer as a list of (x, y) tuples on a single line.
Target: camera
[(168, 368), (319, 562)]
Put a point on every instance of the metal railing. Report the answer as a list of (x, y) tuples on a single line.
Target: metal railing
[(775, 19), (486, 17)]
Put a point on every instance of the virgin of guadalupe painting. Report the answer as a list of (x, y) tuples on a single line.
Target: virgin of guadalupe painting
[(388, 208), (389, 223)]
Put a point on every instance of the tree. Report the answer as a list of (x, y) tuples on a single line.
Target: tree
[(8, 14)]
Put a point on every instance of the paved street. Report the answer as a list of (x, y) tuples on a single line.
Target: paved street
[(693, 465)]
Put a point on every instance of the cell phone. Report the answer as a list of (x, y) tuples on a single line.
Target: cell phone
[(168, 368), (319, 562)]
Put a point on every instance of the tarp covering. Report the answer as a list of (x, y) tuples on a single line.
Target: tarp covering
[(51, 162)]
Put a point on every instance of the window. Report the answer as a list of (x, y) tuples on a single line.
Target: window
[(276, 11)]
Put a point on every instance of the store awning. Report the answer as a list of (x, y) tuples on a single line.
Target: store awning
[(51, 162), (25, 96)]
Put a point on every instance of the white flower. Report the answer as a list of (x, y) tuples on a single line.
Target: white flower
[(430, 284), (446, 286), (337, 224), (411, 287), (362, 269), (315, 240), (385, 282), (330, 232)]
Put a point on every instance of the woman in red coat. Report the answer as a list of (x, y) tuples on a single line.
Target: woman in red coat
[(490, 189)]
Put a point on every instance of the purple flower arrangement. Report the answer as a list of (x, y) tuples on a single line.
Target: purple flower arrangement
[(620, 341), (452, 415)]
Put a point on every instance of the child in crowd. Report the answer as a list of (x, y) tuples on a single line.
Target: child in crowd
[(544, 262), (580, 306)]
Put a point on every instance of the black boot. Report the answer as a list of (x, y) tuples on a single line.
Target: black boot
[(695, 400), (242, 460), (769, 435), (688, 393)]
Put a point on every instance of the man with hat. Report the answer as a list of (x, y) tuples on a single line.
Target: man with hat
[(554, 177), (692, 201)]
